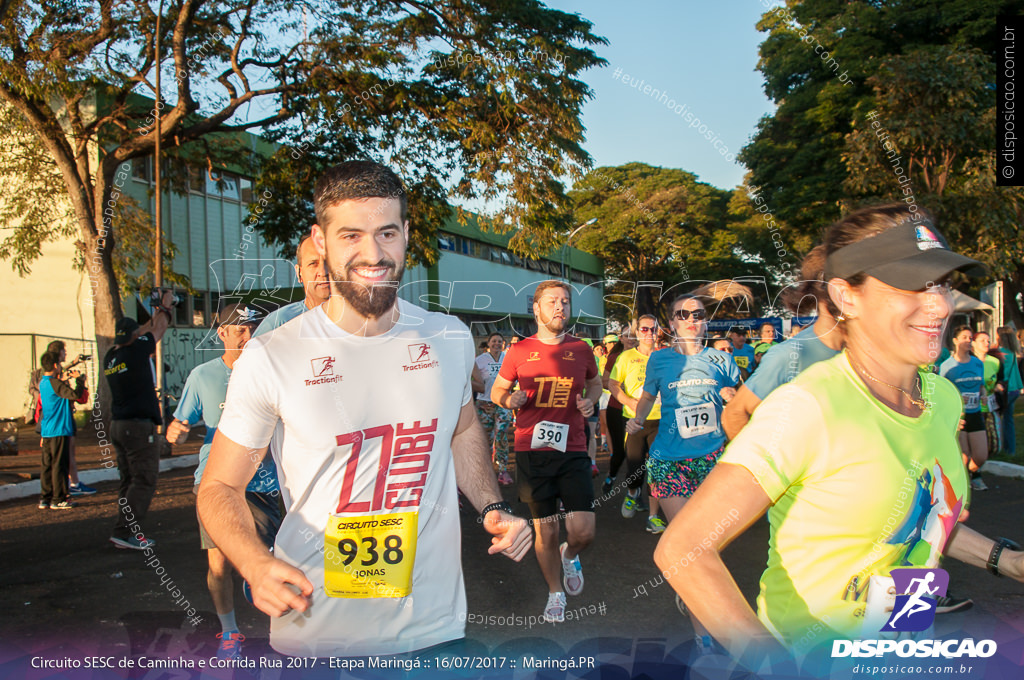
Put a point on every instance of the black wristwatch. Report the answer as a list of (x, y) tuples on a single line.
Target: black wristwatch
[(504, 506), (997, 550)]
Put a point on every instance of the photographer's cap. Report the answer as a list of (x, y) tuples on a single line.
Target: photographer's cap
[(910, 256), (239, 314), (124, 330)]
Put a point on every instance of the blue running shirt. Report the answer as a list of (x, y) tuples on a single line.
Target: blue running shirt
[(691, 406)]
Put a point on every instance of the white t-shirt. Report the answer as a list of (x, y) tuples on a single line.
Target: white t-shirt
[(367, 426), (489, 369)]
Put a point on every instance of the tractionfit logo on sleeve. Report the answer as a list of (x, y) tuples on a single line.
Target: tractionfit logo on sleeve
[(915, 607)]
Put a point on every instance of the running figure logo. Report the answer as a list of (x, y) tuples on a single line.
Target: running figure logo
[(914, 609), (322, 366), (419, 352)]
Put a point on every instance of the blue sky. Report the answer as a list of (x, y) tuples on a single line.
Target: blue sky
[(703, 54)]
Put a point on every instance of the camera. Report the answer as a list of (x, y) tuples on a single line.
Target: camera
[(156, 297), (84, 357)]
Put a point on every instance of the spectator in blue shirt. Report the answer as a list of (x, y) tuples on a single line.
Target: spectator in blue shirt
[(56, 427)]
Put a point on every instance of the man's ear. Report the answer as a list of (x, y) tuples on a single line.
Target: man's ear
[(319, 240)]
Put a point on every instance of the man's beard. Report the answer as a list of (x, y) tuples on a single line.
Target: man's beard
[(555, 326), (371, 301)]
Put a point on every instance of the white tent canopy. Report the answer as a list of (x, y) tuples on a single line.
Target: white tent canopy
[(965, 303)]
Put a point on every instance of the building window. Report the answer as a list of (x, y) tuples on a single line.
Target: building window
[(446, 243), (183, 312), (223, 185), (199, 319), (196, 179), (245, 189), (141, 170)]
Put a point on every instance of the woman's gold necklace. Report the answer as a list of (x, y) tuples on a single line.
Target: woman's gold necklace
[(920, 403)]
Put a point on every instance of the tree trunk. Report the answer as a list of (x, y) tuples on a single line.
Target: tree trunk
[(98, 240)]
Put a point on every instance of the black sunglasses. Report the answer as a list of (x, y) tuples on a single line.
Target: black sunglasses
[(684, 314)]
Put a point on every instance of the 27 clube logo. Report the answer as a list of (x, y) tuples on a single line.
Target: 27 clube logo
[(913, 611)]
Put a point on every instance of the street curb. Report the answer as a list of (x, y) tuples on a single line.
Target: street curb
[(998, 467), (23, 489)]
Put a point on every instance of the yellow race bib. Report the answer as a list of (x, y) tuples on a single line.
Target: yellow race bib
[(370, 555)]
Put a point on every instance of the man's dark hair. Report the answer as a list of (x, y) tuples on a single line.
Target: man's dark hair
[(357, 180), (49, 361), (56, 346)]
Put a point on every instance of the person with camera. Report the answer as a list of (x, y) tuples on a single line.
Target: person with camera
[(75, 486), (135, 414), (56, 427)]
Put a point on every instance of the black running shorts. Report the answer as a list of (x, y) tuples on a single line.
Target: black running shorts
[(266, 514), (974, 422), (544, 477)]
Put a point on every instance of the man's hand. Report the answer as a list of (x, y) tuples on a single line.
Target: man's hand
[(518, 399), (633, 426), (727, 393), (177, 431), (512, 535), (585, 406), (277, 587)]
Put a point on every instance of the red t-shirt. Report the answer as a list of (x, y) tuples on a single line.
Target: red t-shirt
[(552, 377)]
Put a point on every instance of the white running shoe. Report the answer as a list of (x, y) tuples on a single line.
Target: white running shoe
[(554, 612), (572, 572)]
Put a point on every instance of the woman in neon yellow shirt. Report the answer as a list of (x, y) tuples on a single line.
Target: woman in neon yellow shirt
[(856, 461)]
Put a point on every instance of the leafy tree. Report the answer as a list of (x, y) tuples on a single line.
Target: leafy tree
[(39, 212), (75, 70), (929, 139), (799, 154), (656, 224), (796, 154)]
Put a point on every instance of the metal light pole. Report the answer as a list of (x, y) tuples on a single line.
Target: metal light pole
[(566, 273), (158, 270)]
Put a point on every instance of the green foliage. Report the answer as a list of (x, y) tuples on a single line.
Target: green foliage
[(933, 114), (504, 123), (37, 213), (657, 224), (29, 215), (470, 100), (796, 156)]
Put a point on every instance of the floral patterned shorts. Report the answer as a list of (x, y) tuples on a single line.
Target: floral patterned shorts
[(679, 477)]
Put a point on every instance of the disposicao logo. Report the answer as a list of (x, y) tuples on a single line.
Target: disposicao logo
[(914, 611)]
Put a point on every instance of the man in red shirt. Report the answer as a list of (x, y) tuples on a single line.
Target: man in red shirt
[(558, 388)]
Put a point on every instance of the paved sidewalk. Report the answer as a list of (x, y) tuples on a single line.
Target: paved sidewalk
[(19, 474)]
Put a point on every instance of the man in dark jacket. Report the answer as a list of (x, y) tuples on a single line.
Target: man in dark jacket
[(135, 415)]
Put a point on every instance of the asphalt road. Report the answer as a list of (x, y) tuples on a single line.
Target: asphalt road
[(66, 591)]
